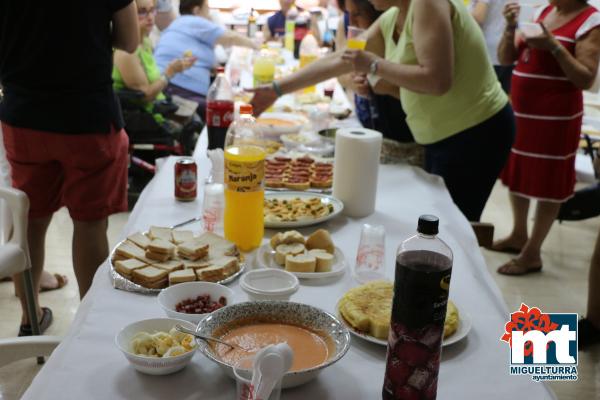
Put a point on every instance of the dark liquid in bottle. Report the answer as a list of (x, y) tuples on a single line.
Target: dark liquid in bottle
[(418, 314)]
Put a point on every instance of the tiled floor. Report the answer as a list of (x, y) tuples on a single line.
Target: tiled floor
[(562, 287)]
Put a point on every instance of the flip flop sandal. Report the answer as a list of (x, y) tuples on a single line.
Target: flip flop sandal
[(60, 281), (45, 322), (517, 270)]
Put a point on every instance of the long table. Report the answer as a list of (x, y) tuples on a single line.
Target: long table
[(88, 365)]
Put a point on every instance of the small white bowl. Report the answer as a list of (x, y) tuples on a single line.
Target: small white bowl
[(150, 365), (269, 284), (169, 297)]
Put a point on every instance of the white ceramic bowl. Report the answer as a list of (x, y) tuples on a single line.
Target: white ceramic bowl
[(269, 284), (282, 312), (169, 297), (149, 365)]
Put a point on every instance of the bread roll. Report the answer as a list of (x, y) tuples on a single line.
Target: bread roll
[(284, 250), (300, 263), (320, 239), (324, 260), (289, 237)]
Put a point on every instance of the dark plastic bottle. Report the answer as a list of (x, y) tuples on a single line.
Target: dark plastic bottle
[(421, 287)]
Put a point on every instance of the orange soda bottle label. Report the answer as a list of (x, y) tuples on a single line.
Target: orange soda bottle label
[(244, 176)]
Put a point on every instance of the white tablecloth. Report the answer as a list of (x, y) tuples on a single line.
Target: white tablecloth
[(88, 365)]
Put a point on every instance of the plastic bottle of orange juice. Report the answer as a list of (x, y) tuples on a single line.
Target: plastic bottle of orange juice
[(309, 52), (244, 176)]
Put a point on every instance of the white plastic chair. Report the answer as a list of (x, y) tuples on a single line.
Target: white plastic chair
[(14, 259)]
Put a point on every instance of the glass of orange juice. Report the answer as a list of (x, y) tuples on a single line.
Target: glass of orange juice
[(356, 38)]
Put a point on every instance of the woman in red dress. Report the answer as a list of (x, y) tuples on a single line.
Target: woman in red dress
[(551, 71)]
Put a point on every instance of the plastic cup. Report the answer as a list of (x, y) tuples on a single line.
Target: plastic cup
[(370, 257), (243, 378), (356, 39), (526, 13)]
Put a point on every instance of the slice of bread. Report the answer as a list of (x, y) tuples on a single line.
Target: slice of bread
[(157, 256), (184, 275), (189, 264), (192, 250), (300, 263), (283, 250), (324, 260), (215, 241), (128, 249), (139, 239), (126, 267), (179, 237), (148, 276), (320, 239), (161, 246), (218, 270), (161, 284), (158, 232), (170, 265), (289, 237)]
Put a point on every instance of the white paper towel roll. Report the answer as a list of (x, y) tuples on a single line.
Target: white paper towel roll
[(355, 170)]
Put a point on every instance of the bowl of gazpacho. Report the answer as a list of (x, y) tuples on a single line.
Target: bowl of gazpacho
[(317, 338)]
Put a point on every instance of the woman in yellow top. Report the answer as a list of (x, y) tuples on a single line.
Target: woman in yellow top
[(432, 55)]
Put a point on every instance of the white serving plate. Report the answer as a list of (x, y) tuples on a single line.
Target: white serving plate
[(464, 326), (265, 257), (338, 206)]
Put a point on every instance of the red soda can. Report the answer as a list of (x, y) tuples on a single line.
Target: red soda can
[(186, 179)]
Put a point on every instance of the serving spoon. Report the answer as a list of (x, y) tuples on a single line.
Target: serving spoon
[(207, 338)]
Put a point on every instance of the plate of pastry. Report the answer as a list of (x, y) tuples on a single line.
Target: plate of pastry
[(284, 210), (150, 261), (313, 257), (298, 173), (366, 311)]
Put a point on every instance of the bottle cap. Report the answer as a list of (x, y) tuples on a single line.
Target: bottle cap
[(246, 109), (428, 225), (220, 70)]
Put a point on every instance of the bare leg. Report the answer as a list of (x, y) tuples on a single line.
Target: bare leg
[(90, 249), (36, 236), (518, 236), (545, 215), (593, 305), (530, 258)]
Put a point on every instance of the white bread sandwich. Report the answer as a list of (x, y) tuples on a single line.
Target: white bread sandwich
[(139, 239), (179, 237), (150, 277), (126, 267), (192, 250), (170, 265), (219, 269), (158, 232), (183, 275)]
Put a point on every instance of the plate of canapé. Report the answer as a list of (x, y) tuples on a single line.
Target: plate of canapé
[(288, 210), (312, 257)]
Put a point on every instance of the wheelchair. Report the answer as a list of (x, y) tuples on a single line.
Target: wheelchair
[(150, 139)]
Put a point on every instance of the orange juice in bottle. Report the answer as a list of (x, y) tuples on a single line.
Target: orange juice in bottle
[(244, 176), (309, 52)]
